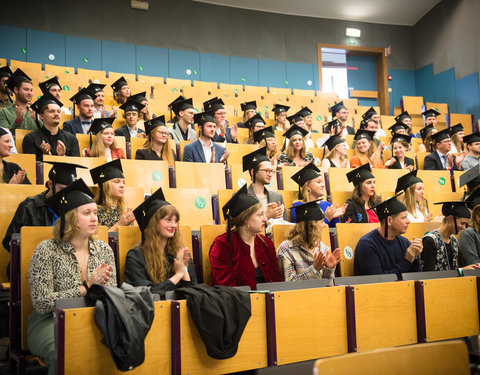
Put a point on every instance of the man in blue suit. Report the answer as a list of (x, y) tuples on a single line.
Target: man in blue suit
[(204, 150), (84, 102)]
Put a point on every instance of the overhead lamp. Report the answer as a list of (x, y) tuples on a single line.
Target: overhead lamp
[(353, 33)]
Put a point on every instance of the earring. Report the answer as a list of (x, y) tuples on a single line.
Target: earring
[(309, 191)]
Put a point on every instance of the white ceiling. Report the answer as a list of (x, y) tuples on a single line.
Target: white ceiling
[(392, 12)]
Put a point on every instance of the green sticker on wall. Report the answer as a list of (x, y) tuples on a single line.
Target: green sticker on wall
[(140, 68), (286, 82), (441, 181), (157, 176), (24, 51), (266, 108), (66, 88), (38, 97), (66, 71), (85, 60), (174, 90), (243, 79), (319, 118), (200, 203), (259, 112), (195, 71), (236, 91)]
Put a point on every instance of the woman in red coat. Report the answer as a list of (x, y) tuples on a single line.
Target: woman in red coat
[(242, 255)]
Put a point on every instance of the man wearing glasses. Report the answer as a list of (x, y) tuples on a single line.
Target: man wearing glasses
[(440, 159), (261, 171)]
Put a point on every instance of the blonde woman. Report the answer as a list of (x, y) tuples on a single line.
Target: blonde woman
[(160, 261), (158, 144), (280, 112), (456, 133), (104, 144), (249, 110), (296, 153), (121, 91), (254, 124), (336, 156), (266, 138), (426, 134), (417, 205), (365, 150)]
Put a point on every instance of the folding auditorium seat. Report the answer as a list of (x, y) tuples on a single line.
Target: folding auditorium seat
[(237, 151), (466, 120), (413, 104), (300, 92), (200, 175), (59, 70), (208, 233), (19, 135), (435, 181), (27, 162), (81, 172), (94, 75)]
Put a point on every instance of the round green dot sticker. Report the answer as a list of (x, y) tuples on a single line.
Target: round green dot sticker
[(200, 203), (319, 118), (140, 68), (157, 176), (24, 51), (241, 182), (441, 181), (85, 60), (286, 82), (195, 71), (66, 88), (259, 112), (38, 97), (243, 79), (266, 108), (174, 90), (236, 91)]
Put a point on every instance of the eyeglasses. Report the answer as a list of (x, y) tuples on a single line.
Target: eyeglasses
[(163, 133), (267, 171)]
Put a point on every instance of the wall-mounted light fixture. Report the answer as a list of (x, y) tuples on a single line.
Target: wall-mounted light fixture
[(354, 33)]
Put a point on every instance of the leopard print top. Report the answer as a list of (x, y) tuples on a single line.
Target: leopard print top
[(54, 272)]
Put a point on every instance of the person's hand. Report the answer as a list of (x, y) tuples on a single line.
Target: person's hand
[(459, 159), (20, 112), (113, 112), (450, 161), (409, 167), (224, 157), (439, 218), (318, 260), (141, 135), (381, 147), (185, 255), (333, 211), (18, 177), (414, 250), (474, 266), (332, 259), (61, 149), (389, 162), (344, 164), (234, 132), (274, 210), (428, 218), (126, 219), (179, 265), (101, 275), (45, 147)]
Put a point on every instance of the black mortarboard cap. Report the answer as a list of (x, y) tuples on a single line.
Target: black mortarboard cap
[(45, 85), (5, 71), (473, 199), (239, 202), (45, 100), (307, 173), (154, 123), (329, 125), (431, 113), (336, 108), (369, 113), (251, 160), (95, 88), (279, 108), (100, 124), (309, 211), (248, 105), (441, 135), (107, 172), (455, 129), (250, 123), (401, 138), (213, 105), (82, 95), (63, 173), (364, 134), (333, 141), (145, 211), (263, 133), (140, 97), (74, 195), (456, 209), (119, 83), (294, 130), (132, 105), (397, 126), (202, 118), (407, 180), (17, 77), (470, 176), (181, 104), (360, 174), (402, 116), (424, 131), (305, 111), (297, 117), (3, 131), (471, 138), (389, 207)]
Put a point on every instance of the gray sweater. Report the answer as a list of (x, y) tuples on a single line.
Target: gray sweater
[(470, 246)]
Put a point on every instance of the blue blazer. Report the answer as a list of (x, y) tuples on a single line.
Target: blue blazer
[(73, 126), (193, 152)]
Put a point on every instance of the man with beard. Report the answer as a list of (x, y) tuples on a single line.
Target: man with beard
[(99, 111), (84, 102), (182, 129), (5, 99)]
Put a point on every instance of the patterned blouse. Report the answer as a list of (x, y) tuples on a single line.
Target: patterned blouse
[(296, 263), (54, 272), (108, 216), (282, 158)]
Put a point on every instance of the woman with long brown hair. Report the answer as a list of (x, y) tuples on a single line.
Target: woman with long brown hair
[(336, 157), (121, 91), (160, 260), (427, 140), (280, 112), (158, 144), (296, 153), (266, 138), (254, 124), (365, 150), (104, 144)]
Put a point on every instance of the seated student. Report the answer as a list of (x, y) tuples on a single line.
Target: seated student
[(204, 149), (384, 250), (332, 128), (131, 110), (363, 196), (157, 146), (266, 138), (104, 144), (372, 122), (160, 260), (297, 119), (398, 128), (66, 265), (280, 112), (340, 112), (400, 144), (254, 124), (10, 173), (337, 154), (469, 242), (5, 100), (471, 179), (53, 87), (99, 101), (49, 139), (427, 141), (365, 151), (144, 114), (441, 159), (249, 110), (456, 134), (261, 171), (223, 133), (296, 153), (417, 205), (307, 115), (311, 187), (84, 100), (33, 211), (405, 119), (182, 130), (430, 116), (303, 255), (472, 145), (121, 91), (242, 256), (440, 246), (112, 208)]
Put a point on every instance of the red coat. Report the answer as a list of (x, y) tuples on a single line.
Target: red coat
[(116, 154), (232, 265)]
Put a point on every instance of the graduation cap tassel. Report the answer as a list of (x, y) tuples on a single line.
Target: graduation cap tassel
[(62, 226), (307, 237), (284, 144), (229, 227), (36, 120), (90, 140), (455, 223)]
